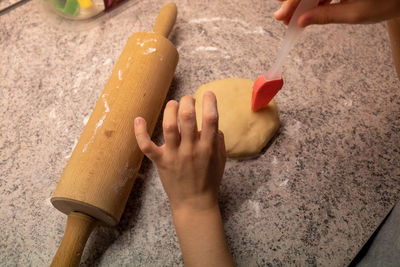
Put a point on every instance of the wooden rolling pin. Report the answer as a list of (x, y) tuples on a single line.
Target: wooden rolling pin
[(99, 176)]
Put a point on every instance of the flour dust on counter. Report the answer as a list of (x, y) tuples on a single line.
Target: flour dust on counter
[(246, 132)]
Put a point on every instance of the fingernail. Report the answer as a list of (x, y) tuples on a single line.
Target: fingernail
[(137, 121), (208, 93)]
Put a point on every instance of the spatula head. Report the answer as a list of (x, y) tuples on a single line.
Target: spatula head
[(264, 91)]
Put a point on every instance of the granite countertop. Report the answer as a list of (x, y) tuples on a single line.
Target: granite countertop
[(314, 197)]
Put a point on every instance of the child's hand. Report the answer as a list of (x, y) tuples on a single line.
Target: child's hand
[(190, 163), (346, 11)]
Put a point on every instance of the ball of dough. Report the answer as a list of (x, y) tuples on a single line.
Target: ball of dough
[(246, 132)]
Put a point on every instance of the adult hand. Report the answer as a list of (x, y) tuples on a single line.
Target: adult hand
[(344, 11)]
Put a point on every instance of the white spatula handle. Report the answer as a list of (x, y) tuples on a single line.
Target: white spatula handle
[(292, 34)]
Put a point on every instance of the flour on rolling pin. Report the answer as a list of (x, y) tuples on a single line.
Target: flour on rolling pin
[(99, 123), (146, 47), (126, 174)]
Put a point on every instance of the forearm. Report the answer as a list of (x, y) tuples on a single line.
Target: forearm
[(393, 27), (201, 237)]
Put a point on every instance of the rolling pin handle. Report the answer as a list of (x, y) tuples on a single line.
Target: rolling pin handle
[(78, 229), (165, 19)]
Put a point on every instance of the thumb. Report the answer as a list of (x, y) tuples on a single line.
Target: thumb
[(144, 142), (332, 13)]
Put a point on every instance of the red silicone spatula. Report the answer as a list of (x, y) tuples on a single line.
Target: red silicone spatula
[(268, 84)]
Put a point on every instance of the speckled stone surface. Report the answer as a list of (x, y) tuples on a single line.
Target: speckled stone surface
[(314, 197)]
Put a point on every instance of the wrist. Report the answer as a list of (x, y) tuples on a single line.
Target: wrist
[(186, 213), (203, 203), (200, 232)]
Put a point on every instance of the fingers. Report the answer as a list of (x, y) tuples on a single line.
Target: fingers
[(170, 125), (147, 146), (288, 8), (285, 12), (187, 121), (347, 12), (209, 128)]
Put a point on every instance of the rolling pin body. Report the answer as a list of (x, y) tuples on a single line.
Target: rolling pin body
[(100, 173), (99, 176)]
